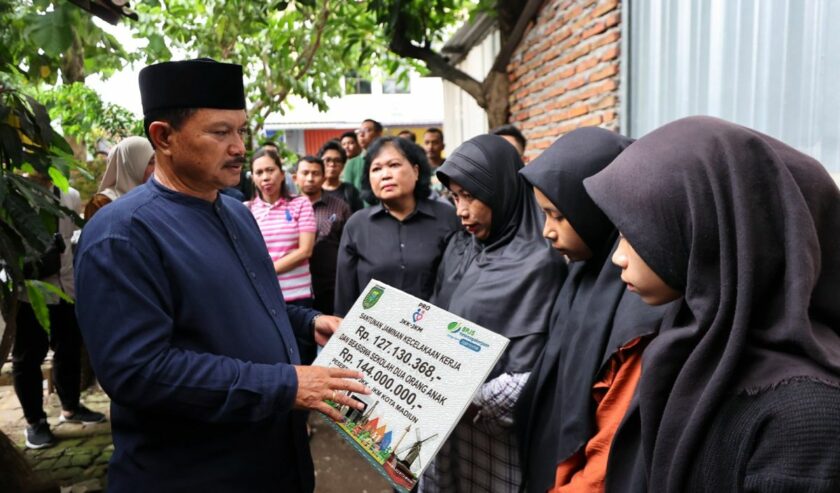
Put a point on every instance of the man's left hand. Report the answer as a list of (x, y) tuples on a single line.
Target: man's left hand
[(325, 327)]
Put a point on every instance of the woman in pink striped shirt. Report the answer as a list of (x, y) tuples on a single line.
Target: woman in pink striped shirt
[(287, 224)]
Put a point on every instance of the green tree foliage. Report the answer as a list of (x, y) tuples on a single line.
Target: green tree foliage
[(301, 47), (55, 44), (52, 38), (28, 146), (80, 112), (28, 211)]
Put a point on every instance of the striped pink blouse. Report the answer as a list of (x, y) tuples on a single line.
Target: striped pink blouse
[(281, 224)]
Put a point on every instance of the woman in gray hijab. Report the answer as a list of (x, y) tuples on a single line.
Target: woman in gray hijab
[(502, 274), (130, 164)]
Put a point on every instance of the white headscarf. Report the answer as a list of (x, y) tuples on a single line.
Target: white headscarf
[(126, 166)]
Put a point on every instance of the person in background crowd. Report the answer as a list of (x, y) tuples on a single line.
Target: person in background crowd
[(200, 356), (270, 145), (334, 158), (399, 241), (369, 131), (331, 214), (100, 156), (287, 224), (350, 143), (582, 385), (32, 341), (130, 164), (501, 274), (513, 136), (433, 145), (741, 389), (408, 134)]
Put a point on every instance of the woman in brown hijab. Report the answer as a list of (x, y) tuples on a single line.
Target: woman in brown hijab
[(741, 389)]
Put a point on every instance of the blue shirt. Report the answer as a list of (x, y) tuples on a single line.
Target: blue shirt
[(189, 335)]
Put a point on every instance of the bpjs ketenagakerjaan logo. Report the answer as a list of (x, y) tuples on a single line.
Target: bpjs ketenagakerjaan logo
[(465, 336)]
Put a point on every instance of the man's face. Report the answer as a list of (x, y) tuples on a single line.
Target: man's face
[(351, 147), (207, 153), (309, 177), (367, 134), (333, 163), (433, 144)]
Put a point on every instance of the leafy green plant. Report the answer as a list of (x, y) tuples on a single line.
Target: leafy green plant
[(28, 211)]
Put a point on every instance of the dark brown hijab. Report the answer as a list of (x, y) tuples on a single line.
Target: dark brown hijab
[(749, 230)]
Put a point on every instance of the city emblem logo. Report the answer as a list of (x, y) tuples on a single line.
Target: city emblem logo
[(372, 297)]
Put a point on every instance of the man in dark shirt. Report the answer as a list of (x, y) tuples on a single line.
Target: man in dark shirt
[(433, 145), (180, 309), (334, 157), (331, 213)]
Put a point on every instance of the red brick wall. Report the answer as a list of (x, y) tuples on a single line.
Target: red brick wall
[(565, 72)]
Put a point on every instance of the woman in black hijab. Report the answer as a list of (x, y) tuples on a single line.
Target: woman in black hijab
[(583, 382), (499, 273), (741, 389)]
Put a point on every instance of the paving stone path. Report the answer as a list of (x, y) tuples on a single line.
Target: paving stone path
[(79, 461)]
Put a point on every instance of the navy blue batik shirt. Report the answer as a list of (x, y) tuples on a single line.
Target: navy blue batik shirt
[(189, 335)]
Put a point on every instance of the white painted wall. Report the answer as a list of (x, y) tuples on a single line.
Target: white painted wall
[(422, 106), (462, 117)]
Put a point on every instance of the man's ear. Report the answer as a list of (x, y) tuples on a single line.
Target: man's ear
[(160, 133)]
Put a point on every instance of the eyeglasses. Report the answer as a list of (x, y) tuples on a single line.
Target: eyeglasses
[(333, 160)]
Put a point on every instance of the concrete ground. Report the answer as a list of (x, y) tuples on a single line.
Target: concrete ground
[(79, 461)]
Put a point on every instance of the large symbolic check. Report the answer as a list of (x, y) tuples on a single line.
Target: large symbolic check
[(423, 365)]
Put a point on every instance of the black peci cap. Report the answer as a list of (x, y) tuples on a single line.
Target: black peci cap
[(201, 83)]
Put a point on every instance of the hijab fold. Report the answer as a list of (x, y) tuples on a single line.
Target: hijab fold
[(594, 314), (126, 167), (747, 228), (509, 281)]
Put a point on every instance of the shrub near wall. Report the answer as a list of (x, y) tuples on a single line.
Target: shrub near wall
[(565, 72)]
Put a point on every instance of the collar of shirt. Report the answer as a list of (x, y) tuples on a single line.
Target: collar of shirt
[(324, 199), (261, 204), (183, 198), (423, 207)]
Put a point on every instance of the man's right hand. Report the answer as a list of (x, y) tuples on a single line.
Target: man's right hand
[(316, 384)]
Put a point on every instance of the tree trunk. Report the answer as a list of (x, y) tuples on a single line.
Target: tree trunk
[(496, 97), (73, 70)]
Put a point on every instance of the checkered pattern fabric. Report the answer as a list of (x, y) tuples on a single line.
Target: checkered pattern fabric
[(482, 454)]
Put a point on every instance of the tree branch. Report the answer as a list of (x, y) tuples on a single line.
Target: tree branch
[(438, 66), (302, 65), (309, 53), (503, 57)]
